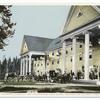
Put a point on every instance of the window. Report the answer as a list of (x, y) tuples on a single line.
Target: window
[(58, 62), (59, 53), (41, 64), (80, 58), (47, 63), (71, 48), (71, 59), (66, 52), (53, 53), (38, 64), (52, 62), (82, 68), (81, 46), (79, 14), (90, 56)]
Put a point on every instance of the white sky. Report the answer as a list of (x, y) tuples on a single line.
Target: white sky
[(44, 21)]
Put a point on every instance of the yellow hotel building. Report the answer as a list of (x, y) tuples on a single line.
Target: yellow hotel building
[(77, 49)]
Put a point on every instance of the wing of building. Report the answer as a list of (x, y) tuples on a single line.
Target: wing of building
[(76, 50)]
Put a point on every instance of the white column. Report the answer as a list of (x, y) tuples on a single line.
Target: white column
[(86, 59), (74, 65), (26, 65), (64, 57), (30, 63), (21, 67), (32, 66)]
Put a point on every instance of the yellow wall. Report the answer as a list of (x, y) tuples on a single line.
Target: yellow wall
[(39, 65), (96, 56), (80, 53), (24, 48), (68, 68), (89, 14)]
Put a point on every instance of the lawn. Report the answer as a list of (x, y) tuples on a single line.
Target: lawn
[(69, 89), (20, 83), (44, 87)]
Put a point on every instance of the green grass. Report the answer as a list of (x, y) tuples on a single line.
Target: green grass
[(27, 83), (8, 89), (50, 90), (94, 88), (78, 89), (20, 83)]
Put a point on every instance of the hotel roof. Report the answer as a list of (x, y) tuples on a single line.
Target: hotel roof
[(35, 43)]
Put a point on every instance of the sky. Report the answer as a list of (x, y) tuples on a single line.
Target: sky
[(42, 21)]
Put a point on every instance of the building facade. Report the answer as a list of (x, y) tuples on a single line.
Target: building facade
[(77, 49)]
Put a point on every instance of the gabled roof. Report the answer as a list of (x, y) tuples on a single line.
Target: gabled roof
[(70, 14), (35, 43)]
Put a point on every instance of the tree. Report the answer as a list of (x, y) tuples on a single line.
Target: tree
[(3, 68), (6, 27), (16, 65), (9, 65), (0, 68)]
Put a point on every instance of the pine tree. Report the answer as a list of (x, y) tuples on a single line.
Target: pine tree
[(6, 27), (9, 65), (18, 66), (3, 68)]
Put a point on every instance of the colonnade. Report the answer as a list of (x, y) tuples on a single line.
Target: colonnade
[(25, 67), (74, 55), (26, 64)]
